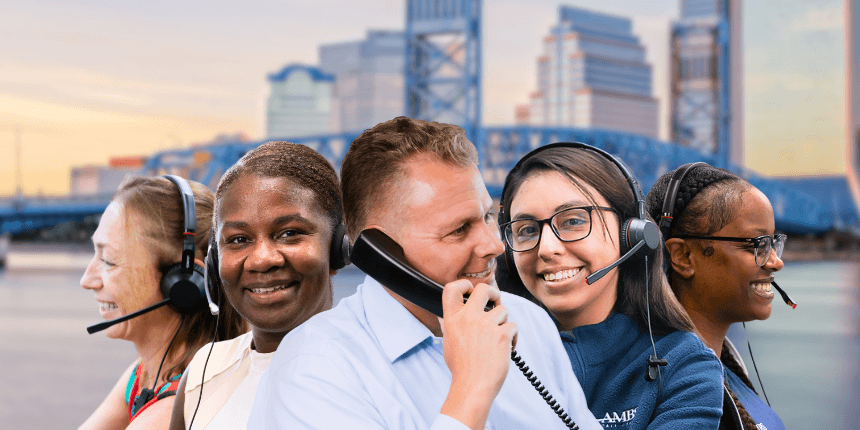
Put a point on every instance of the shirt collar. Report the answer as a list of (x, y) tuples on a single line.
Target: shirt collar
[(395, 328)]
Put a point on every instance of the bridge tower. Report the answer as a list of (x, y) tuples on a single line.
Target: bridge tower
[(443, 62), (707, 79), (852, 97)]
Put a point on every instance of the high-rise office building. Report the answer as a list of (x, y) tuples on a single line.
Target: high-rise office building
[(300, 102), (369, 83), (593, 74), (707, 79)]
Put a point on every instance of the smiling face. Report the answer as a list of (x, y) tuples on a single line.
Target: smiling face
[(555, 271), (444, 221), (727, 285), (124, 274), (273, 246)]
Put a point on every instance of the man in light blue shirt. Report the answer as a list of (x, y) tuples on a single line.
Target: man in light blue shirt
[(377, 361)]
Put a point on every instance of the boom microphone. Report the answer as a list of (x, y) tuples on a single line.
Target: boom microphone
[(95, 328), (784, 295), (594, 277)]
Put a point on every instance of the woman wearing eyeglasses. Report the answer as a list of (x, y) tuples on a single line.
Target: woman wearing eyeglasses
[(722, 254), (563, 209)]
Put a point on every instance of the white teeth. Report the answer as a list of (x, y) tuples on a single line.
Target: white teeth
[(105, 306), (477, 275), (762, 287), (561, 274), (268, 290)]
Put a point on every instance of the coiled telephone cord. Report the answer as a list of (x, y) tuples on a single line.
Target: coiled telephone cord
[(547, 397)]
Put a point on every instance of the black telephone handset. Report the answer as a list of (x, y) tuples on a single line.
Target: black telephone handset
[(380, 257)]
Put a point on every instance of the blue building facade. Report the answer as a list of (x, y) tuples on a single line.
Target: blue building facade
[(593, 74)]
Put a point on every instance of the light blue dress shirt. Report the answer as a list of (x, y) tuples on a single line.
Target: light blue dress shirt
[(370, 364)]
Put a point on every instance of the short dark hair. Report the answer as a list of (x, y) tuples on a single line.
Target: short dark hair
[(374, 161), (585, 167), (293, 161)]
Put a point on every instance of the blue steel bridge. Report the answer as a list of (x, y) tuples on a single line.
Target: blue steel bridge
[(443, 83), (801, 206)]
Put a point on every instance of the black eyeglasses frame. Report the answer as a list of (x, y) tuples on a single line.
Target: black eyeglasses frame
[(756, 241), (505, 226)]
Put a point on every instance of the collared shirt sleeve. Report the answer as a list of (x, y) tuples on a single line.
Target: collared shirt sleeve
[(541, 349), (445, 422), (311, 392)]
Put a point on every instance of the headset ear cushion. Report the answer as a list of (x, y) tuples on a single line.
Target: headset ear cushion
[(635, 230), (185, 291), (213, 278), (339, 253), (513, 273), (624, 237)]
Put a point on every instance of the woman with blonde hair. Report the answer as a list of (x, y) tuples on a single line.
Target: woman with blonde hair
[(139, 246)]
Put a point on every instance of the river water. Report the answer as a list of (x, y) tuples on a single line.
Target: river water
[(55, 374)]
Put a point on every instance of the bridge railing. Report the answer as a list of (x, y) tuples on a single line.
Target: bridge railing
[(648, 158), (500, 147)]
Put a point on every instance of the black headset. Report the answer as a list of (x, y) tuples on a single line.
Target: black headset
[(338, 259), (668, 212), (639, 235), (183, 282)]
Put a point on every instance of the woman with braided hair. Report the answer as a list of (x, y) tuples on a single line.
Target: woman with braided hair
[(721, 253)]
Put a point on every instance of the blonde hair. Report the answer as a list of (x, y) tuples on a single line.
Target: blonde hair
[(158, 204)]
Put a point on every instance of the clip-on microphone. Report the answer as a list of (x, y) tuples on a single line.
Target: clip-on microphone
[(95, 328), (653, 363)]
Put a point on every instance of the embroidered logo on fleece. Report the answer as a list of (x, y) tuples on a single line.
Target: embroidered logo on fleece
[(760, 426), (616, 418)]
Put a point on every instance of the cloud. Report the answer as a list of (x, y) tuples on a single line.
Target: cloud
[(820, 19)]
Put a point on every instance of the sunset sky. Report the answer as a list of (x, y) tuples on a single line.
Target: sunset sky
[(87, 80)]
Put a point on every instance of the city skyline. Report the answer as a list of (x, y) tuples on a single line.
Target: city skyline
[(85, 82)]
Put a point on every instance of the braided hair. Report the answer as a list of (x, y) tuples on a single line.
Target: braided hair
[(732, 365), (707, 200)]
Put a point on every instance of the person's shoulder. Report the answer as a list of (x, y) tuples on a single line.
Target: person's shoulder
[(336, 329), (538, 333), (222, 357), (514, 301), (521, 309), (686, 343), (341, 321), (686, 351)]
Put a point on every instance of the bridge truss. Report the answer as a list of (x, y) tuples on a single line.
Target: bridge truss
[(499, 149)]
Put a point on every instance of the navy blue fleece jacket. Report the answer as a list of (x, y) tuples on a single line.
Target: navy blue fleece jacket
[(610, 361)]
